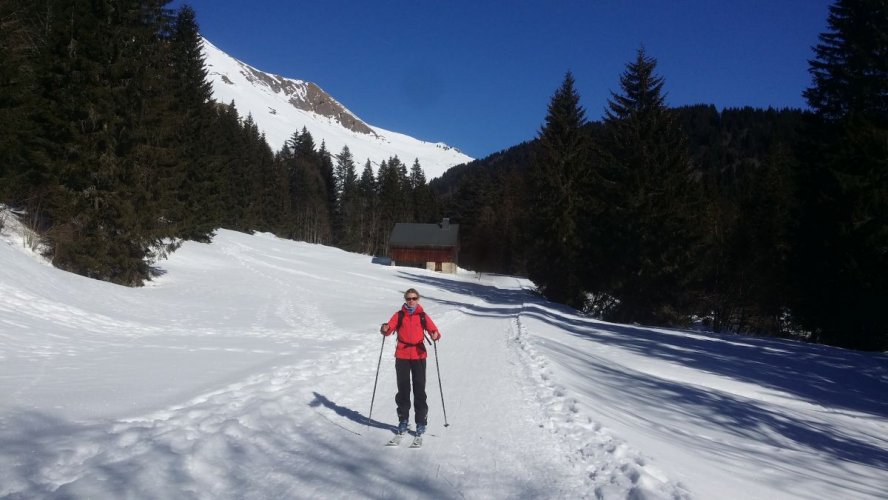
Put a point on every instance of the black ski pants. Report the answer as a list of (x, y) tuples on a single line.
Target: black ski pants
[(405, 369)]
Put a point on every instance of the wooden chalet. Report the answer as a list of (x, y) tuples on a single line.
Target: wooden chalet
[(429, 246)]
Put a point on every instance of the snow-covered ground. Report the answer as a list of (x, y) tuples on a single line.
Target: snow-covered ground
[(246, 370)]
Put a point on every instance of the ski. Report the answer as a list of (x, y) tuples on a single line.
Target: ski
[(395, 441), (417, 442)]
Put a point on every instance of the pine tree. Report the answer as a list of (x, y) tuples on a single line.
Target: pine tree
[(348, 203), (654, 197), (150, 121), (303, 144), (423, 204), (557, 199), (310, 179), (325, 164), (192, 96), (844, 229), (850, 70), (18, 81), (287, 158), (393, 193), (369, 219), (101, 133), (226, 143), (265, 204)]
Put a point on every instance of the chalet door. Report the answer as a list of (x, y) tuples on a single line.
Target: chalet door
[(438, 266)]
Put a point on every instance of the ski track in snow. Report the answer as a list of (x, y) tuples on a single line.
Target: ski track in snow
[(611, 465)]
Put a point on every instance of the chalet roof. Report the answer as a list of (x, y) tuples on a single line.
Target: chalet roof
[(443, 234)]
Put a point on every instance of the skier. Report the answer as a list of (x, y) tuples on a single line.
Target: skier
[(410, 359)]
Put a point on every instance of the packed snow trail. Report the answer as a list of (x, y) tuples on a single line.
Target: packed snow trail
[(290, 420), (246, 369)]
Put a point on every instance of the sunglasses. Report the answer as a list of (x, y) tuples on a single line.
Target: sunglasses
[(411, 298)]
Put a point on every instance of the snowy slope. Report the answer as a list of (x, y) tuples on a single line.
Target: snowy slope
[(270, 100), (246, 371)]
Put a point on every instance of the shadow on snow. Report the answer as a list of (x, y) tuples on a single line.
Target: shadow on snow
[(835, 378), (348, 413), (45, 456)]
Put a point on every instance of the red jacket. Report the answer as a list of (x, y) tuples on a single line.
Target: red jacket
[(411, 342)]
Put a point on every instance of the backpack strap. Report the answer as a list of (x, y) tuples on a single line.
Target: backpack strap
[(422, 321)]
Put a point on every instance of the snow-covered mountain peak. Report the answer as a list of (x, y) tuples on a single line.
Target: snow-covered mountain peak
[(282, 106)]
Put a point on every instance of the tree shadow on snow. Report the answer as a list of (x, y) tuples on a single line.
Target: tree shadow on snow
[(837, 379), (731, 414), (488, 293), (45, 456), (832, 377), (841, 378)]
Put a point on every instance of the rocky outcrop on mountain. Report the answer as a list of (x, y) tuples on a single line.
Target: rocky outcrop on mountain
[(307, 96), (281, 107)]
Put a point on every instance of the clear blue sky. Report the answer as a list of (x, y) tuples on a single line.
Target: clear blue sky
[(478, 74)]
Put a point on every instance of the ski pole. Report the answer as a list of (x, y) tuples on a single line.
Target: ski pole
[(440, 388), (378, 364)]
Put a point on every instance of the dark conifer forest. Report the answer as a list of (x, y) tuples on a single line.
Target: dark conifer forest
[(767, 222), (113, 147), (757, 221)]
